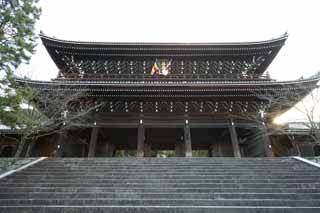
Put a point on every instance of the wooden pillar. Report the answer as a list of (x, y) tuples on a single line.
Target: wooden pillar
[(93, 142), (83, 151), (210, 148), (187, 140), (61, 144), (110, 149), (214, 150), (295, 145), (266, 142), (179, 149), (107, 148), (147, 150), (234, 139), (140, 140)]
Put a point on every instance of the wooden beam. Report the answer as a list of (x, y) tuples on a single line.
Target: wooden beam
[(187, 140), (234, 139), (140, 141), (93, 142), (164, 120)]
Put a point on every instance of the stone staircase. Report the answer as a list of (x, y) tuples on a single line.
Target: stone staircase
[(116, 185)]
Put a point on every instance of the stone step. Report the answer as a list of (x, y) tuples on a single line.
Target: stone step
[(124, 180), (138, 195), (171, 185), (133, 162), (167, 164), (160, 202), (171, 165), (163, 185), (108, 167), (157, 190), (174, 185), (180, 160), (18, 176), (204, 169), (156, 209), (200, 179), (123, 159), (202, 166), (155, 173), (178, 171), (171, 159)]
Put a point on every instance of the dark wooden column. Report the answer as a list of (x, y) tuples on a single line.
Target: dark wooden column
[(110, 149), (62, 137), (179, 149), (140, 140), (234, 139), (93, 142), (83, 151), (295, 146), (210, 148), (213, 150), (147, 150), (187, 140), (266, 141)]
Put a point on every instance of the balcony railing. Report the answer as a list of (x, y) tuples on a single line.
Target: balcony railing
[(156, 77)]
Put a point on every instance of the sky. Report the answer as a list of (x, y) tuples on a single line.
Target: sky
[(185, 21)]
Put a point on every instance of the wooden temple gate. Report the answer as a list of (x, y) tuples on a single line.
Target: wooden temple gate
[(167, 96)]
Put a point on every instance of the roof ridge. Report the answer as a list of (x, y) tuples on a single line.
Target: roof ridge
[(281, 38)]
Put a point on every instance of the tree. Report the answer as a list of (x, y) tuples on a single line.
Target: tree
[(309, 108), (17, 44), (304, 99), (53, 109)]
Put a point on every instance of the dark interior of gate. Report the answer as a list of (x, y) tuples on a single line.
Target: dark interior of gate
[(157, 142), (161, 142)]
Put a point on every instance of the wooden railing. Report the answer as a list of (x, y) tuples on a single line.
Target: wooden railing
[(173, 77)]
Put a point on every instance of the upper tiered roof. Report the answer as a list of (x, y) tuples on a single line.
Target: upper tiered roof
[(204, 78), (91, 60)]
